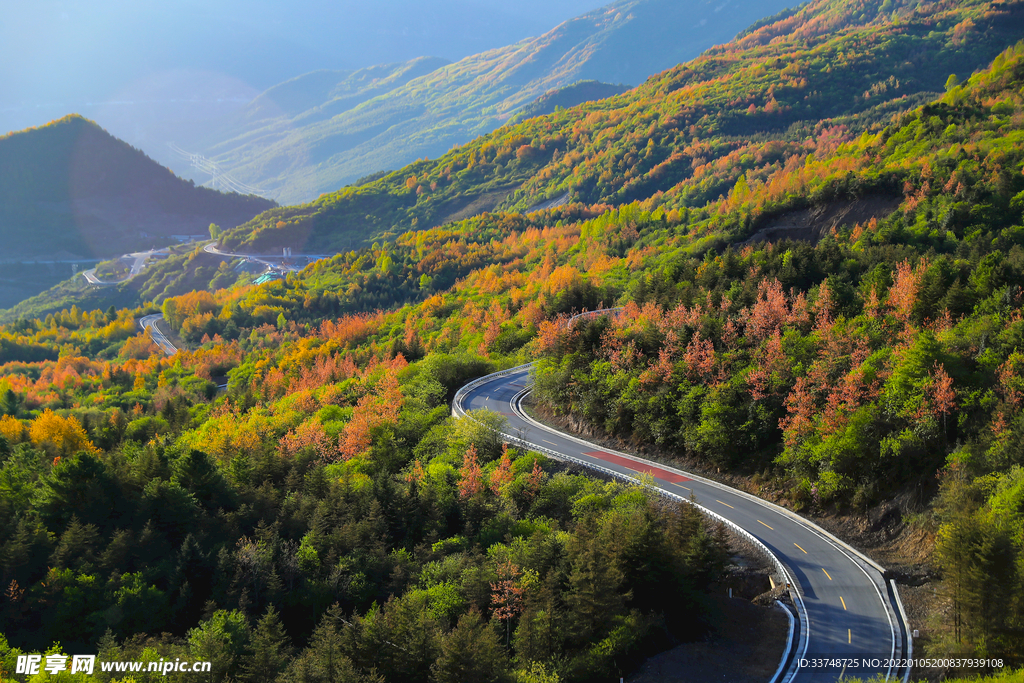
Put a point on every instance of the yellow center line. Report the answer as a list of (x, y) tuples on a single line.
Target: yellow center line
[(550, 442), (725, 504), (685, 487), (826, 574), (760, 522), (798, 546), (842, 601), (849, 636)]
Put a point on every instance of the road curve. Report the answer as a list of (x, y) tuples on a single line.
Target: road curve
[(849, 613), (149, 322), (138, 261), (269, 260)]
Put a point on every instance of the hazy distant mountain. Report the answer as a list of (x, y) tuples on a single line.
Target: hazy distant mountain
[(71, 190), (141, 70), (323, 130)]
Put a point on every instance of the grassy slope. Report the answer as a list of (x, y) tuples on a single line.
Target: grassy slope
[(570, 96)]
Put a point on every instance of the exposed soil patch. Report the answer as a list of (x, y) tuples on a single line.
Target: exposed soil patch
[(475, 205), (814, 222)]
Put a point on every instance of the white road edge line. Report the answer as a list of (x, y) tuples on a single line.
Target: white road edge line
[(906, 622), (834, 542)]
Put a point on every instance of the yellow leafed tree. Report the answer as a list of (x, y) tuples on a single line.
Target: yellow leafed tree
[(12, 428), (64, 434)]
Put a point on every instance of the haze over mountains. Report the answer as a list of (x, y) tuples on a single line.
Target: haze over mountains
[(323, 130), (824, 66), (145, 69)]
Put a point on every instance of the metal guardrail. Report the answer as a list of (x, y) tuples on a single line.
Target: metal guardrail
[(780, 569), (789, 640), (906, 625)]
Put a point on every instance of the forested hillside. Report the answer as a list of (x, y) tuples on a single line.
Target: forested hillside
[(70, 190), (570, 96), (690, 131), (301, 139), (327, 503), (311, 519)]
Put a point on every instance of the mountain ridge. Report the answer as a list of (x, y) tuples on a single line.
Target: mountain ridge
[(841, 63), (71, 185), (455, 102)]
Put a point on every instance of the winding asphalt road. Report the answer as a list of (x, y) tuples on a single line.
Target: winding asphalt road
[(850, 614), (137, 261), (150, 322), (269, 260)]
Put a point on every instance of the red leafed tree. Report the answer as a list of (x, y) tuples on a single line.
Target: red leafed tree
[(770, 366), (770, 312), (496, 316), (416, 474), (872, 307), (309, 433), (535, 480), (843, 399), (471, 478), (801, 405), (376, 408), (1011, 380), (700, 358), (1010, 387), (903, 293), (823, 309), (502, 475), (799, 314), (943, 395), (549, 333), (507, 594)]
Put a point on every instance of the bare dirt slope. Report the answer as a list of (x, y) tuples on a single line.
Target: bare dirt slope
[(817, 221)]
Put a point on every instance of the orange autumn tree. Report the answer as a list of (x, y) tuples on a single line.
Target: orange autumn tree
[(507, 594), (63, 434), (502, 475), (380, 406), (471, 480)]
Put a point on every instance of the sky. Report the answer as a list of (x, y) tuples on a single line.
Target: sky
[(127, 60)]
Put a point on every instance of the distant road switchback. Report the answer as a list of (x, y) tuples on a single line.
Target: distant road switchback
[(268, 260), (149, 322), (847, 613), (138, 264)]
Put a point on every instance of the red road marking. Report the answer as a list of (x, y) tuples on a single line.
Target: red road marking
[(658, 472)]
